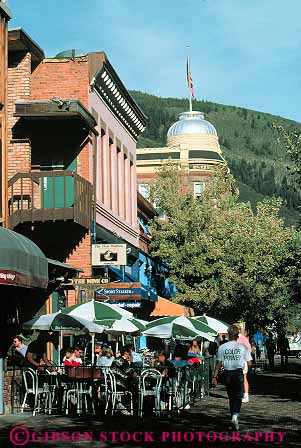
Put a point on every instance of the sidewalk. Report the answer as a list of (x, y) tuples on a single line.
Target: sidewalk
[(271, 409)]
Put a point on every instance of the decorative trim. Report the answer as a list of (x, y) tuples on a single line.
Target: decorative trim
[(119, 101)]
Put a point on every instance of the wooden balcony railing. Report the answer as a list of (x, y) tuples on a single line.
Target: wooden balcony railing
[(49, 196)]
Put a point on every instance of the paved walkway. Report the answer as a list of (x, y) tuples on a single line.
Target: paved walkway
[(273, 408)]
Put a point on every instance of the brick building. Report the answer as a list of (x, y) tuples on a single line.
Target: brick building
[(72, 133), (5, 16)]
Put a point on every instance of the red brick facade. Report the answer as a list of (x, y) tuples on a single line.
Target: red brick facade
[(52, 78), (19, 88)]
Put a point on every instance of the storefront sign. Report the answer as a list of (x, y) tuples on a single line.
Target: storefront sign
[(8, 277), (124, 291), (90, 281), (128, 304), (108, 254)]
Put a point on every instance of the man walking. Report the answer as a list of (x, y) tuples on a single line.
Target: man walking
[(242, 339), (233, 356)]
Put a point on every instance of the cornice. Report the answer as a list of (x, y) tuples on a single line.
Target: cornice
[(118, 99)]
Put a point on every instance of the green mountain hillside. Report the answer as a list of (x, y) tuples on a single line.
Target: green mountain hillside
[(248, 141)]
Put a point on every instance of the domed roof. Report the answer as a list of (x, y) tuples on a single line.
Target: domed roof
[(191, 123), (69, 54)]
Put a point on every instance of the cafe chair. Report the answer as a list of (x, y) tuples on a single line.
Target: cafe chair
[(30, 379), (150, 386), (114, 396)]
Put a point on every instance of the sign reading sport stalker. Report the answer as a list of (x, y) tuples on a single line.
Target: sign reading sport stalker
[(108, 254), (119, 291)]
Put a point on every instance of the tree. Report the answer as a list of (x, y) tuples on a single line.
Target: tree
[(292, 143), (224, 257)]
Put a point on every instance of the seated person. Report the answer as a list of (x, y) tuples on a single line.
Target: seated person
[(70, 360), (19, 346), (194, 353), (37, 352), (97, 352), (160, 363), (123, 374), (78, 355), (17, 352), (180, 357), (106, 359), (122, 369)]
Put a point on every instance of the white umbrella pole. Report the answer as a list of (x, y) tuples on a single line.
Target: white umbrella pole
[(202, 343), (117, 339), (60, 346), (93, 344), (135, 346)]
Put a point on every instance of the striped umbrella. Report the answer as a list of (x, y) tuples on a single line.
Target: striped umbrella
[(114, 326), (179, 328), (95, 311), (216, 324), (62, 322)]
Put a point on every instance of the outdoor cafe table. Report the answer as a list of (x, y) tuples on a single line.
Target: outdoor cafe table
[(61, 379)]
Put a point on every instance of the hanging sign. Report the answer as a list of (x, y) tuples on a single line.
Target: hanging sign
[(108, 254)]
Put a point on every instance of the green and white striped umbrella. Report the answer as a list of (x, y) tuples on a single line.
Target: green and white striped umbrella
[(62, 322), (113, 326), (96, 311), (179, 328), (216, 324)]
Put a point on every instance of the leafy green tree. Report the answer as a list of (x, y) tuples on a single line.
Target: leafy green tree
[(225, 258), (292, 143)]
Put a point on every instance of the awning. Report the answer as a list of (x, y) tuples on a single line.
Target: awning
[(22, 263), (165, 307), (65, 266)]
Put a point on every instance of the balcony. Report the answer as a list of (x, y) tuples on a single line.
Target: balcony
[(42, 196)]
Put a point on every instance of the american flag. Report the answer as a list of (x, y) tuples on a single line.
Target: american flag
[(189, 79)]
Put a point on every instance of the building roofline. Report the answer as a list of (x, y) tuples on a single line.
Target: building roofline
[(19, 40), (5, 11), (146, 206)]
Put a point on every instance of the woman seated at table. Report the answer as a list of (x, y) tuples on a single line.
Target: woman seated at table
[(194, 353), (70, 360), (106, 358)]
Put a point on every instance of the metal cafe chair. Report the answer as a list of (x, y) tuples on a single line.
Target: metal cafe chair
[(113, 395), (78, 394), (150, 386), (30, 379), (180, 389)]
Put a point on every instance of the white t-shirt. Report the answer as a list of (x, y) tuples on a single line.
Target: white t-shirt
[(233, 355), (104, 361)]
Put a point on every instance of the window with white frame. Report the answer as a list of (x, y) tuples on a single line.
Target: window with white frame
[(144, 189), (198, 188)]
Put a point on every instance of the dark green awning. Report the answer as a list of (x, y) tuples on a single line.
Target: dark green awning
[(22, 263)]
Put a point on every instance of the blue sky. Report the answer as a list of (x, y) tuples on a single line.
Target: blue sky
[(243, 52)]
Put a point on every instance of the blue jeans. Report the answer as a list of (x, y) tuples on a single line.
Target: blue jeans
[(234, 382)]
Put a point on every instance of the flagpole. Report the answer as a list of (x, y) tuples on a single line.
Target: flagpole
[(188, 72)]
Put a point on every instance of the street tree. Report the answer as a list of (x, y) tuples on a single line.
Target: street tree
[(225, 258)]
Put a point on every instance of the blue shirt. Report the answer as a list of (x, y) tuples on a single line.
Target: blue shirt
[(22, 350), (180, 363), (258, 338)]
